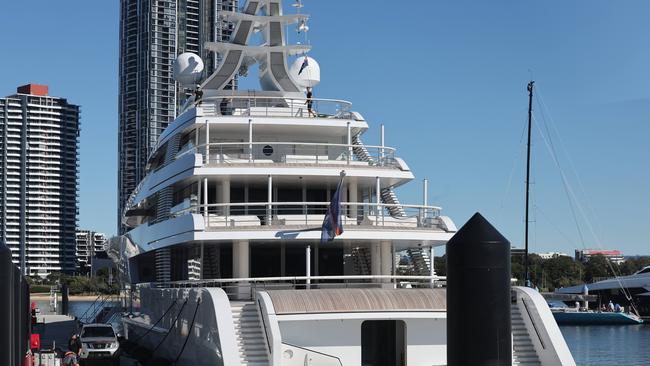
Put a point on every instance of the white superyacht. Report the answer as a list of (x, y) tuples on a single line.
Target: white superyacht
[(224, 248)]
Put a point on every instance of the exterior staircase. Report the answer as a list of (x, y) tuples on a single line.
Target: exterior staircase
[(388, 196), (361, 260), (250, 337), (420, 261), (524, 351)]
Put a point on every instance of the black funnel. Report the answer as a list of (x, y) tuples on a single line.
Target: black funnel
[(478, 296)]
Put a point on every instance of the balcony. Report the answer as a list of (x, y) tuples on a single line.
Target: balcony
[(295, 153), (275, 106), (269, 215)]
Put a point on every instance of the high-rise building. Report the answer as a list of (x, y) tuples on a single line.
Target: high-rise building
[(39, 138), (89, 244), (152, 34)]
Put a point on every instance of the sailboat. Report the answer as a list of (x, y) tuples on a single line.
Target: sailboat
[(580, 314)]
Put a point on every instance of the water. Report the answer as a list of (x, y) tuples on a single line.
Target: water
[(626, 345), (75, 308)]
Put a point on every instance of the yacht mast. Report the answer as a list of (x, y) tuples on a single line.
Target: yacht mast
[(530, 110)]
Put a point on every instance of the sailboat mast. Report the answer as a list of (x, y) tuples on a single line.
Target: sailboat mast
[(530, 118)]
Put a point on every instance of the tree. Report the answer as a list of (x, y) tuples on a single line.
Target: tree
[(597, 267), (562, 271)]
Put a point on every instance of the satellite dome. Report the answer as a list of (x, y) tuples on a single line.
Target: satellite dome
[(188, 68), (305, 71)]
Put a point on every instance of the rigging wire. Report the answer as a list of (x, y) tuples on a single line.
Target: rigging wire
[(573, 199), (572, 166), (189, 332), (172, 325), (156, 323)]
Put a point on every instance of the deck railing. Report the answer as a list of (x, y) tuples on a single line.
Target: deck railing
[(290, 153), (267, 106), (241, 288), (308, 214)]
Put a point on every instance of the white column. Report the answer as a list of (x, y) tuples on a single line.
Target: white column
[(240, 259), (224, 196), (201, 260), (250, 140), (349, 143), (304, 197), (199, 194), (308, 265), (425, 200), (207, 142), (378, 210), (381, 143), (206, 211), (375, 259), (269, 207), (432, 268), (353, 197), (386, 259)]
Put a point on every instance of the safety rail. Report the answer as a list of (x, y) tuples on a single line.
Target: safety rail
[(290, 153), (252, 214), (247, 287), (275, 106), (99, 305)]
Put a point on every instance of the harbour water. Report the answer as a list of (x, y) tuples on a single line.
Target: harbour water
[(609, 345)]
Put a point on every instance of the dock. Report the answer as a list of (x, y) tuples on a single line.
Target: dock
[(55, 331)]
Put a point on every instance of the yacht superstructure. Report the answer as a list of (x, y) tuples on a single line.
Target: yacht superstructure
[(224, 242)]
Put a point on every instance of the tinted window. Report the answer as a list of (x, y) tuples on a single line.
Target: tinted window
[(99, 332)]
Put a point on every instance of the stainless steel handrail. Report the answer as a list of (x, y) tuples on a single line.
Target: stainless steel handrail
[(218, 152), (275, 106), (277, 213)]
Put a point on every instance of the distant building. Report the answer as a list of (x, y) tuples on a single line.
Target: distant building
[(89, 244), (152, 35), (549, 255), (615, 256), (39, 139)]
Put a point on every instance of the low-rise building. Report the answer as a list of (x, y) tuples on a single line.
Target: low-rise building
[(549, 255)]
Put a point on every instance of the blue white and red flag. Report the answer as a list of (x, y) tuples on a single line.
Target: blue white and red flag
[(305, 63), (332, 225)]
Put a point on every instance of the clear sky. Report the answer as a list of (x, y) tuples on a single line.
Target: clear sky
[(447, 78)]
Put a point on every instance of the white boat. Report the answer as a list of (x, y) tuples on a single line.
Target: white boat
[(224, 244)]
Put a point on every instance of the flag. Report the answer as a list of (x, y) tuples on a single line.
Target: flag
[(332, 226), (305, 63)]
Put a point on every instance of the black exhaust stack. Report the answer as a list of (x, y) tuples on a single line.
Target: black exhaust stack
[(478, 296)]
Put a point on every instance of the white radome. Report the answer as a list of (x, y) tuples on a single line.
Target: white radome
[(188, 68), (310, 76)]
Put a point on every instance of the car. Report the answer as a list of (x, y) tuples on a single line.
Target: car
[(99, 342)]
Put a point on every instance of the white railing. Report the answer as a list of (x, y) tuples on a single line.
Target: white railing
[(290, 153), (268, 106), (310, 214), (236, 287)]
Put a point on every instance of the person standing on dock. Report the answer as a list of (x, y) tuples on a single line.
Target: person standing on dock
[(74, 344)]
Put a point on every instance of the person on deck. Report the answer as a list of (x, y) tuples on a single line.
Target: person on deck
[(610, 306), (198, 95), (310, 103)]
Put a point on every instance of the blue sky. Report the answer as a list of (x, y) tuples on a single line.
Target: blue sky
[(448, 80)]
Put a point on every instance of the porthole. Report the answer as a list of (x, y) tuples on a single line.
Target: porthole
[(267, 150)]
